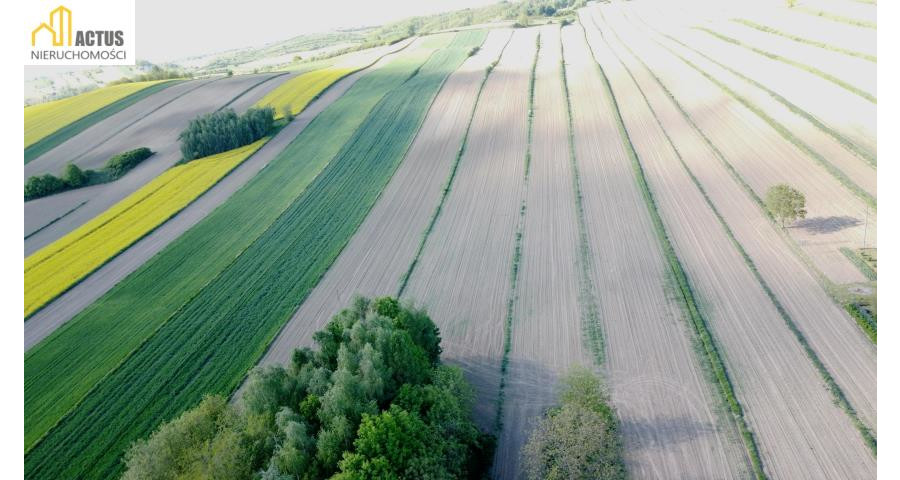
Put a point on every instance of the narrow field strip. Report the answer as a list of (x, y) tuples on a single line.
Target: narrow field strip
[(699, 319), (818, 29), (61, 369), (212, 341), (815, 43), (793, 292), (651, 360), (386, 245), (813, 70), (297, 92), (57, 137), (44, 119), (837, 17), (55, 268)]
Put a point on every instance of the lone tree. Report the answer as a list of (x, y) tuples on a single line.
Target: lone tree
[(786, 203)]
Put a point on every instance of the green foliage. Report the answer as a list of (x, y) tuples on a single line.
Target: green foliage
[(866, 320), (73, 176), (579, 439), (225, 130), (785, 203), (41, 186), (860, 262), (120, 164), (156, 73), (364, 425), (199, 315)]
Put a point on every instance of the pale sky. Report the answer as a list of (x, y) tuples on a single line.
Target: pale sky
[(172, 29)]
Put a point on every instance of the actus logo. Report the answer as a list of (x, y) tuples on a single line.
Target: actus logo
[(56, 42), (60, 27)]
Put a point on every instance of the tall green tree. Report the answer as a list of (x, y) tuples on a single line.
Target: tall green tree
[(786, 203)]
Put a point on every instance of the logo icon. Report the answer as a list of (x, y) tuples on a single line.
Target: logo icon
[(60, 27)]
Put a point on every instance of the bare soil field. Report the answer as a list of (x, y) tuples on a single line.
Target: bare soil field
[(842, 347), (784, 407), (845, 111), (762, 157), (463, 274), (157, 131), (672, 422), (94, 286), (382, 249), (546, 337), (818, 29)]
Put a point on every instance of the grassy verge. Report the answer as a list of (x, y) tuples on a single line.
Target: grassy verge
[(786, 133), (859, 151), (813, 70), (448, 184), (517, 253), (702, 330), (66, 365), (836, 393), (59, 136), (212, 340), (814, 43), (860, 263), (590, 318), (866, 320), (838, 18)]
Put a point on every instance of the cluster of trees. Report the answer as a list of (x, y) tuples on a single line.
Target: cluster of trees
[(374, 401), (225, 130), (579, 439), (74, 177), (156, 73)]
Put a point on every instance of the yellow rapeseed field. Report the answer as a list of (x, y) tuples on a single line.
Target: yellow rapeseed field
[(55, 268), (299, 91), (45, 118)]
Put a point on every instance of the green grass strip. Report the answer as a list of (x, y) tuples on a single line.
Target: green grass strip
[(860, 263), (866, 322), (211, 342), (786, 133), (814, 43), (838, 18), (686, 294), (448, 184), (850, 145), (813, 70), (517, 253), (64, 367), (56, 138), (590, 313), (833, 388)]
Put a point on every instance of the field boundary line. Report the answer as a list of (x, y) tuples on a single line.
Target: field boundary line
[(834, 17), (827, 285), (860, 151), (802, 66), (517, 249), (688, 300), (51, 222), (590, 316), (834, 389), (251, 87), (445, 192), (815, 43)]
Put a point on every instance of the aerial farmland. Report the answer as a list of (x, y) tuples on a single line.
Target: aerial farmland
[(533, 239)]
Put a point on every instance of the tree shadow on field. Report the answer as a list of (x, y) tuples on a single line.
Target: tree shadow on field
[(824, 225)]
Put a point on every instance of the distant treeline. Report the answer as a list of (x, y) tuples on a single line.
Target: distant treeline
[(225, 130), (155, 73), (74, 177)]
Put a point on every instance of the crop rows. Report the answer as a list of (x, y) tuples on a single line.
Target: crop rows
[(66, 365), (56, 267), (211, 341)]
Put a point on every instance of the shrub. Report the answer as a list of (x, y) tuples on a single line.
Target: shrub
[(41, 186), (224, 130), (120, 164), (785, 203), (73, 177)]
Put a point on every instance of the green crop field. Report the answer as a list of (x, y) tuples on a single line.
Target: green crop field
[(210, 342), (49, 124)]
